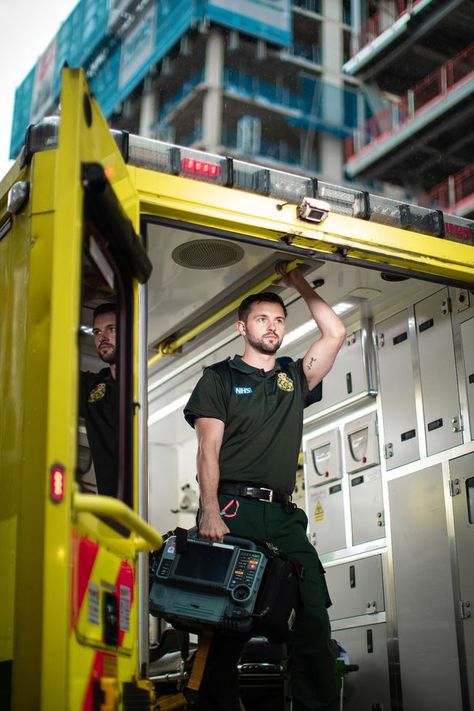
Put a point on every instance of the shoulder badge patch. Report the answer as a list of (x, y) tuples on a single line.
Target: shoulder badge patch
[(97, 393), (284, 382)]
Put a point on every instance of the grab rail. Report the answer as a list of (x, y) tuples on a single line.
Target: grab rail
[(148, 539), (171, 345)]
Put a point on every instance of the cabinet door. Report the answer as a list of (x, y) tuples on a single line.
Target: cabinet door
[(346, 378), (424, 595), (326, 517), (462, 477), (439, 383), (367, 513), (361, 443), (467, 336), (356, 588), (322, 458), (397, 390), (368, 687)]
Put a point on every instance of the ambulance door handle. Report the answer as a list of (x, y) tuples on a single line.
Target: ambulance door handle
[(370, 642), (146, 537), (352, 576)]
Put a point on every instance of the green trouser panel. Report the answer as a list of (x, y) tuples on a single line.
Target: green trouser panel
[(313, 677)]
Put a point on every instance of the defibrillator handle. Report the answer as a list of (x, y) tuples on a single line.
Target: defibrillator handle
[(229, 540)]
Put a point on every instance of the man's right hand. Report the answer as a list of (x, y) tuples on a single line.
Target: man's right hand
[(211, 526)]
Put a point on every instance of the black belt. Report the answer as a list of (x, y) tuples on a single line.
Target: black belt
[(253, 492)]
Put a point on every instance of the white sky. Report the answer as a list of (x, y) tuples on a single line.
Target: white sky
[(27, 28)]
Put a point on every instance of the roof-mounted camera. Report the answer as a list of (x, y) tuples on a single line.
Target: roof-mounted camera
[(313, 210)]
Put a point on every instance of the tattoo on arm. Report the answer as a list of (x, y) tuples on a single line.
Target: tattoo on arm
[(311, 361)]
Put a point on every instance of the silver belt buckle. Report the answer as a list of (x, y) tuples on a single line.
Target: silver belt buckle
[(270, 494)]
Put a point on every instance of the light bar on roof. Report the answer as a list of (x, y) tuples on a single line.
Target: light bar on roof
[(274, 183), (458, 229), (344, 201), (288, 187), (156, 155), (205, 166), (411, 217), (293, 188)]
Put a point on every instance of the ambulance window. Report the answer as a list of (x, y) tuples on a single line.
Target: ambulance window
[(104, 461)]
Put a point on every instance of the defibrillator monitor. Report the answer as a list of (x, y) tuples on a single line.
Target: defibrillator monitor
[(207, 581), (203, 564)]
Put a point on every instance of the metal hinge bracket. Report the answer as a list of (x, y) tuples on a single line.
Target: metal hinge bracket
[(454, 487)]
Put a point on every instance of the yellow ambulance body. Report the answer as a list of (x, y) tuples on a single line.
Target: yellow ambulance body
[(73, 616)]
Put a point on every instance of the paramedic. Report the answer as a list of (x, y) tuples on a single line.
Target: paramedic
[(248, 416), (98, 393)]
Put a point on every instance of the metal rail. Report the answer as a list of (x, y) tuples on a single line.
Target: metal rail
[(146, 537), (172, 345)]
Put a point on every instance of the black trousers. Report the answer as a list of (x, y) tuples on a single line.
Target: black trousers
[(313, 679)]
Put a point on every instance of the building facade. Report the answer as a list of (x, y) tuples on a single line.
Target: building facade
[(415, 61), (250, 79), (373, 91)]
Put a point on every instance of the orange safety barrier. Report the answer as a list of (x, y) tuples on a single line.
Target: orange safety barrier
[(380, 21), (429, 90), (453, 191)]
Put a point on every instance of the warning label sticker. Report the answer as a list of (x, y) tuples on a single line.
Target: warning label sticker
[(318, 511), (125, 600), (93, 604)]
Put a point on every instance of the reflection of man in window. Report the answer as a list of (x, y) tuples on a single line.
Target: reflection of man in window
[(98, 401)]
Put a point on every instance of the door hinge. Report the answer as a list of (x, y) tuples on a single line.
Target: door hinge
[(465, 609), (388, 450), (446, 306), (454, 487)]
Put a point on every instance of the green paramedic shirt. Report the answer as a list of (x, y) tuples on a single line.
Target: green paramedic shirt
[(263, 417)]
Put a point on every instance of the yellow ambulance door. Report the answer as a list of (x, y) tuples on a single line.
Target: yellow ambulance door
[(107, 531), (75, 638), (15, 273)]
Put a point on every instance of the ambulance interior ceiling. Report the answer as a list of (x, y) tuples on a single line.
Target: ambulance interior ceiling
[(190, 282)]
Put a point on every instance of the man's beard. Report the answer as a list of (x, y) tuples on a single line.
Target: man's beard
[(108, 357), (262, 347)]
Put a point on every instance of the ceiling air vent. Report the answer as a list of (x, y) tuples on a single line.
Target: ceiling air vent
[(207, 254)]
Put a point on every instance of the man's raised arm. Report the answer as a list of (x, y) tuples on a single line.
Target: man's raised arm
[(321, 355)]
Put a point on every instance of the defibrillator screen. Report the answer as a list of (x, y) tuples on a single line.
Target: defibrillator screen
[(205, 563)]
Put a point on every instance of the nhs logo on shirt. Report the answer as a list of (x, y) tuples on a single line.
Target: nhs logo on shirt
[(240, 390)]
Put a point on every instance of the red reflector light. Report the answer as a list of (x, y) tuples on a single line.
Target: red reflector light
[(56, 483), (199, 167)]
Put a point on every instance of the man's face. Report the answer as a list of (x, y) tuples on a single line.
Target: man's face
[(104, 331), (265, 327)]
